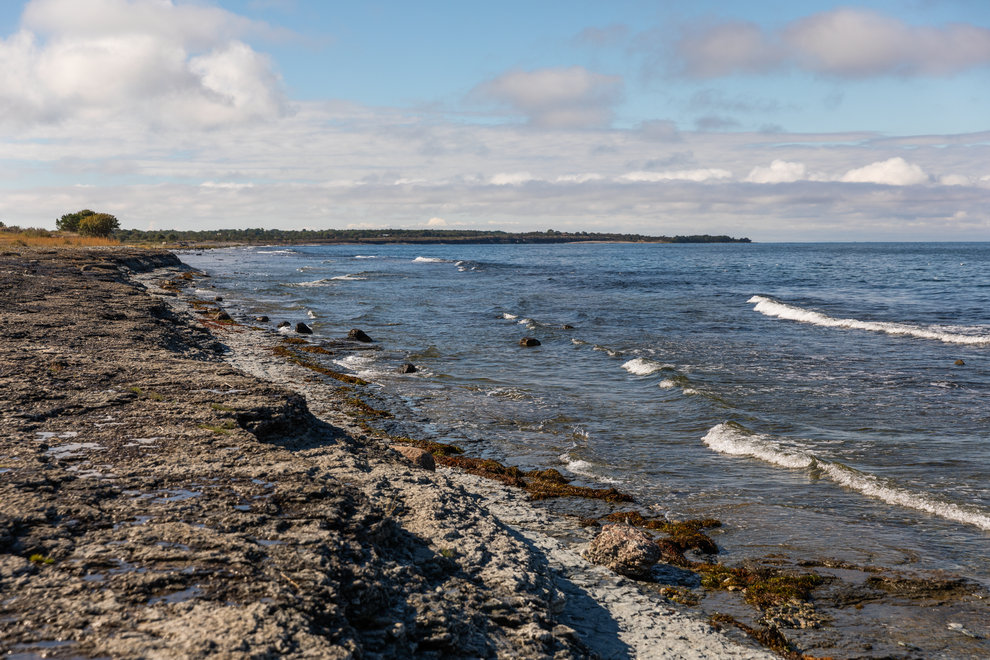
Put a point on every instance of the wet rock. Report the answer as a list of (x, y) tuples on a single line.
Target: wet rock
[(567, 326), (407, 368), (358, 335), (284, 324), (416, 456), (959, 363), (261, 319), (624, 549), (222, 316), (219, 298), (529, 341), (303, 329)]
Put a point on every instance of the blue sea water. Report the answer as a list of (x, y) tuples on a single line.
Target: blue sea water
[(807, 394)]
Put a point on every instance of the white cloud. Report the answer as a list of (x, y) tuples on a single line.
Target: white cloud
[(779, 171), (436, 222), (556, 98), (511, 178), (844, 42), (954, 180), (891, 172), (147, 61), (699, 175)]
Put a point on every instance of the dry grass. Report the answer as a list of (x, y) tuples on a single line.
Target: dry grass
[(10, 239)]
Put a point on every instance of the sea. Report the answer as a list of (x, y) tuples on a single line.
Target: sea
[(822, 400)]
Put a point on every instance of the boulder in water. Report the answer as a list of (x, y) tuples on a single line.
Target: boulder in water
[(358, 335), (407, 368), (529, 341), (303, 329), (959, 363)]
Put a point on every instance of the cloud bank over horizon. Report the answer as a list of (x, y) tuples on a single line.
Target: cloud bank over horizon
[(179, 115)]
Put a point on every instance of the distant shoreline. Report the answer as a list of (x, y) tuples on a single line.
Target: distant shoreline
[(236, 237)]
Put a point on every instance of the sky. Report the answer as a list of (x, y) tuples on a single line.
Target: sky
[(779, 121)]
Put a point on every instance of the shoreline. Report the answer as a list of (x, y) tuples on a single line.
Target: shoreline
[(157, 499)]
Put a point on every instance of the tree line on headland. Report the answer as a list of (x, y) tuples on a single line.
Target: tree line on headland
[(88, 223), (283, 236)]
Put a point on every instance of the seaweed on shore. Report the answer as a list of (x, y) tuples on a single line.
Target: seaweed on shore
[(295, 358)]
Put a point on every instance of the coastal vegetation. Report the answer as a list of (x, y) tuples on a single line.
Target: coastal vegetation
[(90, 228), (257, 236)]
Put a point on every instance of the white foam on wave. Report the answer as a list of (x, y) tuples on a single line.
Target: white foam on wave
[(733, 440), (366, 256), (506, 315), (321, 282), (645, 367), (667, 384), (956, 335), (431, 260), (275, 252), (730, 439), (584, 469), (310, 313), (348, 278)]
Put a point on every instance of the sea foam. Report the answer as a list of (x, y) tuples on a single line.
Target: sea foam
[(964, 335), (734, 440), (644, 367)]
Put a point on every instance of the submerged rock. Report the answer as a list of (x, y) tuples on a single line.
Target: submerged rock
[(624, 549), (303, 329), (529, 341), (358, 335), (407, 368), (261, 319)]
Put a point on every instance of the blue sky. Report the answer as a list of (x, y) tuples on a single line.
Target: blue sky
[(774, 120)]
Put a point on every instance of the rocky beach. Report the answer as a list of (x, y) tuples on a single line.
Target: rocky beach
[(170, 486)]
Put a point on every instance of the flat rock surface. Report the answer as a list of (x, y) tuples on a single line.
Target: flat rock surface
[(158, 501)]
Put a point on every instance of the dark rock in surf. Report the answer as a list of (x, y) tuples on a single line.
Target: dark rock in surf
[(303, 329), (529, 341), (284, 324), (407, 368), (219, 298), (959, 363), (222, 316), (261, 319), (567, 326), (358, 335)]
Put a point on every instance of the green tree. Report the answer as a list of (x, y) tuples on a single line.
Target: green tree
[(70, 221), (98, 224)]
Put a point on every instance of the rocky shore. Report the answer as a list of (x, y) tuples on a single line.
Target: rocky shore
[(170, 488)]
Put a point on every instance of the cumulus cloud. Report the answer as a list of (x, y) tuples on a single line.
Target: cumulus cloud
[(557, 97), (436, 222), (891, 172), (146, 60), (844, 42), (779, 171)]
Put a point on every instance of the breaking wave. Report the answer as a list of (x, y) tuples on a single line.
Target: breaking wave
[(645, 367), (432, 260), (735, 440), (960, 335)]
